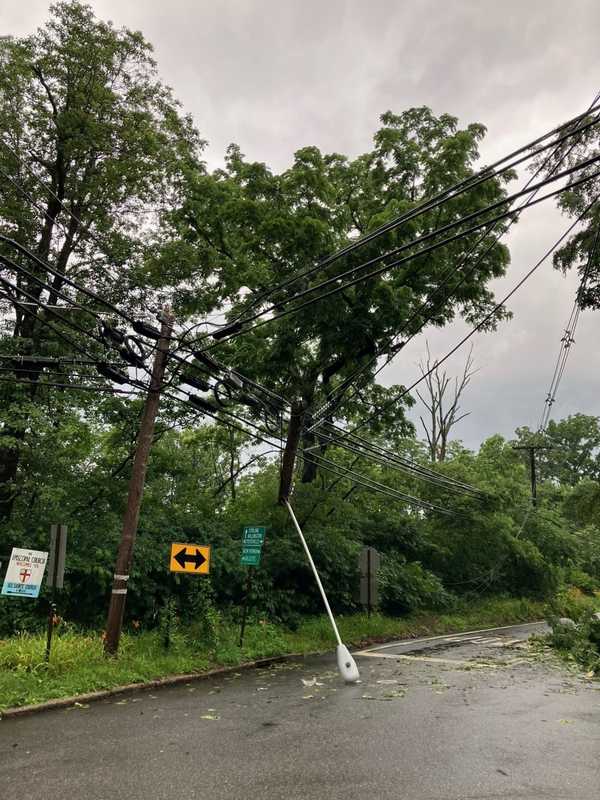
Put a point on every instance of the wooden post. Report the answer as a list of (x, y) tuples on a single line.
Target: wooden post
[(118, 596)]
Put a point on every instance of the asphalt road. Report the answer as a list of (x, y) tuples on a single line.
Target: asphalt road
[(472, 717)]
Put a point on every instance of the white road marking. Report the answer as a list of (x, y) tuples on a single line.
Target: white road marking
[(449, 637), (429, 659)]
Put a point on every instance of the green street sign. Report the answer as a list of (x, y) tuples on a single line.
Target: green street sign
[(250, 558), (252, 543)]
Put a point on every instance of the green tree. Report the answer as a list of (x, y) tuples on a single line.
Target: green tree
[(93, 147), (250, 228), (574, 449)]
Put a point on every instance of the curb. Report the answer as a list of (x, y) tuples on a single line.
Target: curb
[(174, 680), (130, 688)]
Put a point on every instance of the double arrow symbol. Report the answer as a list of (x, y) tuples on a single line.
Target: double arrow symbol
[(183, 558)]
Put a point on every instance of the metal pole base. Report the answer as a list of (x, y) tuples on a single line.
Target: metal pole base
[(346, 664)]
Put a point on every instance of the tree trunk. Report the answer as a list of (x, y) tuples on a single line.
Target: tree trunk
[(27, 327)]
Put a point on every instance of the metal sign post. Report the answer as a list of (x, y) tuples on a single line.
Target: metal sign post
[(56, 576), (245, 606), (252, 542), (192, 559), (369, 562)]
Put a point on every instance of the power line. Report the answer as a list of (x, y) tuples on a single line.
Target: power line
[(357, 444), (73, 386), (331, 466), (339, 391), (428, 249), (78, 287), (569, 337), (259, 433), (33, 314), (19, 359), (139, 327), (484, 174), (64, 278), (49, 308), (477, 327), (44, 212), (391, 464), (37, 302)]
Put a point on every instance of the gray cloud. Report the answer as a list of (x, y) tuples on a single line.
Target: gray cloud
[(274, 75)]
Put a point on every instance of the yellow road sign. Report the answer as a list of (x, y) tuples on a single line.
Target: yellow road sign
[(190, 558)]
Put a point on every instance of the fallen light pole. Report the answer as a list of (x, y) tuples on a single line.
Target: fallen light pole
[(346, 664)]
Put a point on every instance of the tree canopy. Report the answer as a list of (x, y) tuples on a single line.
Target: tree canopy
[(92, 149), (250, 228), (103, 181)]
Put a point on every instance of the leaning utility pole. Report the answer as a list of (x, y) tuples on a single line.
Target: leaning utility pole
[(531, 448), (118, 596)]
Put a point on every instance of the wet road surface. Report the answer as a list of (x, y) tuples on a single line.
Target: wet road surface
[(478, 716)]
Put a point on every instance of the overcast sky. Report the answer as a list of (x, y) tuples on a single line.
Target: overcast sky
[(275, 75)]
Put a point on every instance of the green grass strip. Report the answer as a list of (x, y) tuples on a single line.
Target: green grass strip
[(78, 664)]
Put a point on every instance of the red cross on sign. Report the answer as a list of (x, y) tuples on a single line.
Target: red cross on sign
[(24, 574)]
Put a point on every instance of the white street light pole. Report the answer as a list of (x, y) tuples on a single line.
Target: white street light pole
[(346, 664)]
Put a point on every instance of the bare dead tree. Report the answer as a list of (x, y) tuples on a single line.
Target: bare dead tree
[(442, 400)]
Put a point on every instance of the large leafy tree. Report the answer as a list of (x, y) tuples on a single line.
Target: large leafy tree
[(571, 449), (250, 229), (92, 147)]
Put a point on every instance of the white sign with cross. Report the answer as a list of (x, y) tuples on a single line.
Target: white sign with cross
[(25, 572)]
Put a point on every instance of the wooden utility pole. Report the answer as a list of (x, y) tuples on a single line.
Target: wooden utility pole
[(531, 449), (291, 450), (118, 596)]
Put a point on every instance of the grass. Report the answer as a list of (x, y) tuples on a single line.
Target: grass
[(78, 664)]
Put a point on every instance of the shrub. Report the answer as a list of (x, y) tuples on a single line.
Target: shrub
[(572, 603), (202, 616), (580, 643), (581, 580), (408, 586)]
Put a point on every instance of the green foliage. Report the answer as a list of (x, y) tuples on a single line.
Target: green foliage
[(581, 580), (582, 504), (409, 587), (85, 112), (580, 643), (86, 127), (571, 449), (496, 546), (575, 252), (572, 604), (249, 228), (201, 616)]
